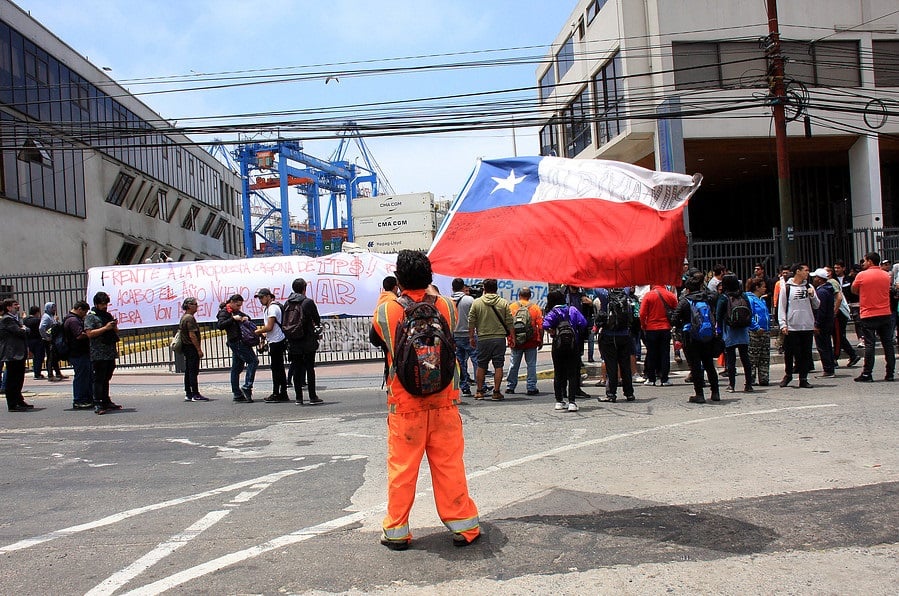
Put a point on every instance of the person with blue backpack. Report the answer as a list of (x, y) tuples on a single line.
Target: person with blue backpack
[(695, 315), (734, 315)]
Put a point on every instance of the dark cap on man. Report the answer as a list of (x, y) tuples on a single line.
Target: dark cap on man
[(263, 292)]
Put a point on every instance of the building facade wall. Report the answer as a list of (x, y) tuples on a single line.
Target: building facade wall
[(647, 37), (90, 175)]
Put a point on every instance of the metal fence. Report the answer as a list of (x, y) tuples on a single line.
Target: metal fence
[(36, 289), (341, 342), (816, 247)]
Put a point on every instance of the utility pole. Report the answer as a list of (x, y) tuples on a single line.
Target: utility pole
[(779, 98)]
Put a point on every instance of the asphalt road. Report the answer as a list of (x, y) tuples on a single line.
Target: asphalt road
[(781, 491)]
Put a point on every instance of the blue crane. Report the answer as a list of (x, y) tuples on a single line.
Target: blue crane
[(283, 165)]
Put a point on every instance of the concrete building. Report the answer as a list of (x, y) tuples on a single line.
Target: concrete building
[(616, 64), (90, 175)]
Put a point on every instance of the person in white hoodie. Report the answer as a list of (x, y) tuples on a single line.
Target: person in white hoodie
[(796, 317)]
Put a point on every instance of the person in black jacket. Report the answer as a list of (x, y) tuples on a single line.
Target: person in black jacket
[(302, 350), (700, 355), (12, 353), (230, 318), (824, 322)]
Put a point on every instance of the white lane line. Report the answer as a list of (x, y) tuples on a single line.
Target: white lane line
[(120, 578), (117, 517), (202, 569), (181, 577)]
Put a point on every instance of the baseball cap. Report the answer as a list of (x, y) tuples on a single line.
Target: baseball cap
[(263, 292), (822, 273)]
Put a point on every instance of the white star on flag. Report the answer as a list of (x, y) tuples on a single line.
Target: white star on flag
[(507, 183)]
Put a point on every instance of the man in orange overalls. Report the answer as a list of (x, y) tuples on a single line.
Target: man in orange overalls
[(418, 425)]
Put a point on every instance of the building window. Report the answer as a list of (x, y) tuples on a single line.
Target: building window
[(37, 68), (220, 228), (210, 219), (190, 220), (609, 95), (120, 189), (173, 209), (719, 65), (547, 83), (178, 156), (696, 65), (160, 207), (126, 253), (886, 63), (549, 140), (593, 9), (565, 57), (576, 120), (33, 151)]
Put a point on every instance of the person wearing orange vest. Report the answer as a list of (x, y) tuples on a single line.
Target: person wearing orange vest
[(389, 290), (422, 424), (529, 348)]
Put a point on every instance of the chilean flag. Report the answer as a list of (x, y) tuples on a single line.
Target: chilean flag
[(582, 222)]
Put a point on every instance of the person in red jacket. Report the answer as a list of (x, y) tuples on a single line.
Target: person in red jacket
[(873, 288), (657, 334), (422, 424)]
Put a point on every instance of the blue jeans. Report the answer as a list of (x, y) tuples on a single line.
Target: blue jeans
[(530, 359), (83, 380), (242, 355), (464, 353)]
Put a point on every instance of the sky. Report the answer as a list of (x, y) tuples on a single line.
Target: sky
[(156, 38)]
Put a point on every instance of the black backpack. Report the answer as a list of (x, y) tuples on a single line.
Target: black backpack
[(57, 333), (739, 311), (621, 312), (565, 338), (293, 323), (424, 353)]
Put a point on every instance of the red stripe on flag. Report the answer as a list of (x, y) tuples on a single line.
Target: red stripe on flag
[(583, 242)]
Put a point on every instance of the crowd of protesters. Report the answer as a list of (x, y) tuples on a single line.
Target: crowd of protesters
[(803, 309)]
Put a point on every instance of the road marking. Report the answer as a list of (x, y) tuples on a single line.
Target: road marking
[(120, 578), (202, 569), (117, 517), (197, 571), (600, 440)]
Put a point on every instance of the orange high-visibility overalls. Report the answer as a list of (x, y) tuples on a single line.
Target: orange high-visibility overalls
[(418, 425)]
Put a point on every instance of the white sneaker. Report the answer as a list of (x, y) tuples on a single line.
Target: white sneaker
[(666, 384), (649, 383), (560, 405), (572, 407), (639, 378)]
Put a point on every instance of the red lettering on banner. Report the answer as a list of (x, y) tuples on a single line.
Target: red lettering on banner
[(193, 291), (222, 293), (127, 317), (167, 293), (334, 291), (163, 313)]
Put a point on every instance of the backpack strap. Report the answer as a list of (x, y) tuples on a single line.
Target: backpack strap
[(502, 322)]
